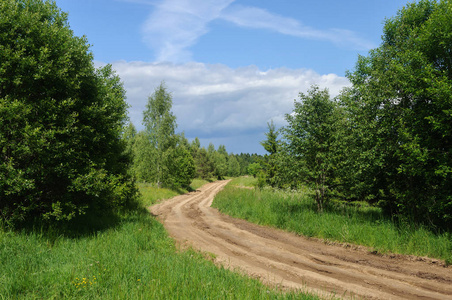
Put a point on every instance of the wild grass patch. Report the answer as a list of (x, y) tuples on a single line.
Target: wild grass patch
[(244, 181), (358, 224), (151, 193), (132, 259)]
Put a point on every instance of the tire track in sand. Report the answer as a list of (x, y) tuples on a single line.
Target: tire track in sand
[(290, 261)]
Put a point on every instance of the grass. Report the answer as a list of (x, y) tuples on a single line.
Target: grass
[(152, 194), (358, 224), (132, 259), (244, 181)]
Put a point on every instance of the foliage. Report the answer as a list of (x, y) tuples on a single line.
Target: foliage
[(179, 166), (245, 159), (233, 166), (310, 139), (143, 166), (61, 119), (220, 162), (129, 136), (180, 161), (204, 166), (402, 91), (270, 163), (160, 126), (254, 169), (387, 139)]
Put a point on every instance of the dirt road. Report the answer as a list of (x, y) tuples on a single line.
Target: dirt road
[(291, 261)]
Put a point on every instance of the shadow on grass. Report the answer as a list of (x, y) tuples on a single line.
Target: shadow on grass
[(361, 213), (364, 214), (88, 224), (190, 189)]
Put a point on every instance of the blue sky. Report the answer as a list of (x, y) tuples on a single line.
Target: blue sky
[(231, 66)]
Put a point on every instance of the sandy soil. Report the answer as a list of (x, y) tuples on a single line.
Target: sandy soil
[(290, 261)]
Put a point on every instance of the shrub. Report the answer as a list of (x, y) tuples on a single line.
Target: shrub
[(60, 119)]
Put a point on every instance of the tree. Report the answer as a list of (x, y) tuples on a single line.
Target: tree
[(254, 169), (195, 146), (144, 168), (310, 136), (403, 91), (211, 149), (160, 125), (271, 145), (129, 137), (233, 166), (179, 165), (60, 119), (220, 161), (203, 164)]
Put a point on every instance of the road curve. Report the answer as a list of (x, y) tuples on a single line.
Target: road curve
[(291, 261)]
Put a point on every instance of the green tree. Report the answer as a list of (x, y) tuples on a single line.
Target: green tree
[(211, 149), (254, 169), (160, 125), (233, 166), (195, 146), (271, 145), (199, 159), (403, 89), (178, 165), (60, 119), (311, 138), (129, 137), (220, 161), (144, 168), (203, 164)]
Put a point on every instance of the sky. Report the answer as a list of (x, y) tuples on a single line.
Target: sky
[(231, 66)]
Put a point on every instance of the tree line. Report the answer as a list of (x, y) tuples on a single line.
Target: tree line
[(161, 156), (387, 139)]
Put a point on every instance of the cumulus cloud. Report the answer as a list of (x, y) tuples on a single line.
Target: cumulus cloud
[(220, 104), (176, 25)]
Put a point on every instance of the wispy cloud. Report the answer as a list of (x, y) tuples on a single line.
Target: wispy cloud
[(176, 25), (253, 17), (220, 104)]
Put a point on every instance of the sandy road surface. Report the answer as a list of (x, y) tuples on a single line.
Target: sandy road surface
[(291, 261)]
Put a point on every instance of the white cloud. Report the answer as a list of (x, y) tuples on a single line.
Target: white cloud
[(258, 18), (176, 25), (220, 104)]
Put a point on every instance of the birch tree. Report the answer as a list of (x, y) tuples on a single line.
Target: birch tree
[(160, 124)]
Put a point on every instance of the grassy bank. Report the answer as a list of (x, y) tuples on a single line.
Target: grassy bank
[(133, 258), (151, 194), (358, 224)]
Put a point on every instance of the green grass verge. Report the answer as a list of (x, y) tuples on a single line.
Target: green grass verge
[(132, 259), (197, 183), (359, 224), (152, 194), (244, 181)]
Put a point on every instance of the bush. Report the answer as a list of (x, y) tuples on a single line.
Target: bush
[(60, 119)]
